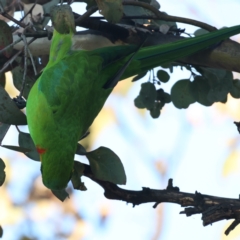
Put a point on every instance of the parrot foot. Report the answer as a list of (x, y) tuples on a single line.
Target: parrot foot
[(20, 102)]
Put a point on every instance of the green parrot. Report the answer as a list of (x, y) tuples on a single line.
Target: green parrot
[(75, 84)]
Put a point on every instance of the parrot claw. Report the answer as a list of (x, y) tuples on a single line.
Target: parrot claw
[(20, 102)]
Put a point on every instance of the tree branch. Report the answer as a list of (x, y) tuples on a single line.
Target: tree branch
[(226, 56), (212, 208), (161, 16)]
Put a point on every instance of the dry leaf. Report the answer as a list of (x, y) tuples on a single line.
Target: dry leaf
[(164, 28), (35, 16), (112, 10)]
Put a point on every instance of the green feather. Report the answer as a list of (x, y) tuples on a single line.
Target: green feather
[(69, 94)]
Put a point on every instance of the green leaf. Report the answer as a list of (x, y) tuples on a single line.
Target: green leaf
[(106, 165), (2, 172), (228, 80), (77, 183), (167, 98), (218, 93), (75, 179), (80, 150), (111, 10), (3, 131), (133, 11), (139, 11), (235, 91), (5, 38), (148, 94), (79, 167), (224, 100), (76, 176), (220, 82), (17, 74), (17, 148), (200, 89), (163, 96), (155, 111), (139, 76), (60, 194), (160, 94), (138, 102), (218, 76), (9, 112), (212, 76), (163, 76), (25, 141), (153, 3), (181, 94), (161, 22), (166, 65)]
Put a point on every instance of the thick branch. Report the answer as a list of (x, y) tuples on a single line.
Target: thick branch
[(225, 56), (212, 208)]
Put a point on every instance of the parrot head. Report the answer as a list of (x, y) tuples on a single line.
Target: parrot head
[(56, 166)]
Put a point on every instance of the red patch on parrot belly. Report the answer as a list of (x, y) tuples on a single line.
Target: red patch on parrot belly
[(40, 150)]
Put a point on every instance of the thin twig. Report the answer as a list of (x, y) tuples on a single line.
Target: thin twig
[(30, 11), (38, 34), (25, 66), (21, 8), (17, 129), (6, 15), (10, 61), (32, 61), (87, 14), (158, 16), (166, 17), (19, 23), (11, 45), (232, 226)]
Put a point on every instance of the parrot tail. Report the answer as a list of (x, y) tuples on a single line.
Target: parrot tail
[(154, 56)]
